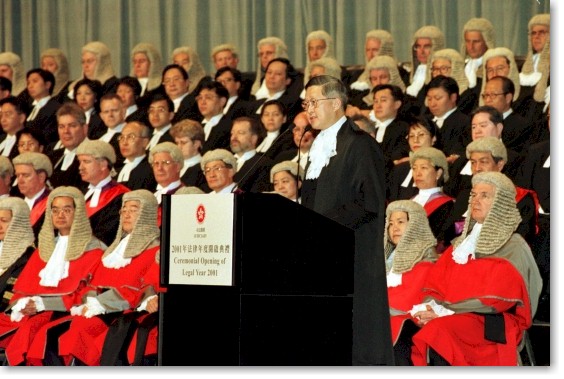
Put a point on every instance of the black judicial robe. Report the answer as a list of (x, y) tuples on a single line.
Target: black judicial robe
[(351, 191)]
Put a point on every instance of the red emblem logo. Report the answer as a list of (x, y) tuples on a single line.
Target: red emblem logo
[(201, 213)]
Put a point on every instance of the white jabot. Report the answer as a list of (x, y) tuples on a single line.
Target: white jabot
[(547, 163), (7, 144), (267, 141), (418, 80), (209, 124), (468, 246), (262, 92), (116, 258), (128, 167), (37, 105), (164, 190), (31, 201), (323, 148), (243, 158), (88, 114), (157, 134), (56, 268), (68, 158), (546, 99), (507, 113), (192, 161), (393, 279), (467, 169), (407, 179), (424, 194), (110, 132), (470, 70), (229, 103), (381, 127), (130, 110), (94, 191), (441, 120), (360, 85), (529, 79), (143, 82), (536, 59)]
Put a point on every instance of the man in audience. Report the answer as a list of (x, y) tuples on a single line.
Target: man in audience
[(176, 84), (237, 103), (136, 172), (477, 37), (112, 111), (226, 55), (40, 84), (211, 99), (219, 168), (161, 114), (12, 119)]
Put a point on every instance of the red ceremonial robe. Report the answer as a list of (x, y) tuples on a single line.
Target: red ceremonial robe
[(17, 336), (459, 338)]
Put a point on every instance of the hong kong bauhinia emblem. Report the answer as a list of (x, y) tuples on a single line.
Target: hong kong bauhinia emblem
[(201, 213)]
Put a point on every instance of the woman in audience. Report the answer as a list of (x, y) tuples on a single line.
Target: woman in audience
[(273, 117), (87, 94), (286, 177)]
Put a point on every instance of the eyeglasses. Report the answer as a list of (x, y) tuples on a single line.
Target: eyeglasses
[(129, 138), (65, 211), (539, 33), (442, 69), (488, 96), (314, 103), (161, 163), (209, 170), (497, 69), (128, 211), (154, 110), (417, 136), (206, 97)]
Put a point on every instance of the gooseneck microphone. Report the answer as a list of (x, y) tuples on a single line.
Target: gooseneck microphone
[(306, 129)]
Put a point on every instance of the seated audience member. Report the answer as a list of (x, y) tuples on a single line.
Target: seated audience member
[(167, 162), (469, 315), (268, 48), (442, 100), (73, 130), (489, 154), (211, 99), (449, 63), (12, 120), (422, 133), (189, 137), (486, 122), (30, 140), (103, 194), (136, 173), (409, 248), (11, 68), (129, 90), (286, 178), (252, 168), (517, 131), (33, 171), (273, 118), (322, 66), (477, 37), (112, 111), (97, 65), (6, 175), (55, 61), (379, 71), (18, 243), (146, 67), (236, 105), (280, 79), (116, 287), (219, 168), (87, 94), (227, 56), (318, 44), (53, 279), (426, 40), (161, 115), (189, 60), (430, 172), (42, 117), (535, 73), (303, 135)]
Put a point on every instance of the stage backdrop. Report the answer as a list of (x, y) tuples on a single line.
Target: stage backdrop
[(30, 26)]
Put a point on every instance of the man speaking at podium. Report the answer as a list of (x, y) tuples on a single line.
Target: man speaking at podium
[(345, 182)]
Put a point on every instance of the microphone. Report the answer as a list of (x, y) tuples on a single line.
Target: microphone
[(306, 129), (246, 175)]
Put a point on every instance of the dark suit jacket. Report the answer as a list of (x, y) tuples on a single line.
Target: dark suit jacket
[(532, 175), (46, 121), (351, 191), (119, 157), (141, 177), (14, 151), (394, 145), (194, 176), (253, 176), (516, 132), (282, 144), (189, 107), (397, 175), (219, 137), (96, 127), (450, 136), (70, 177)]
